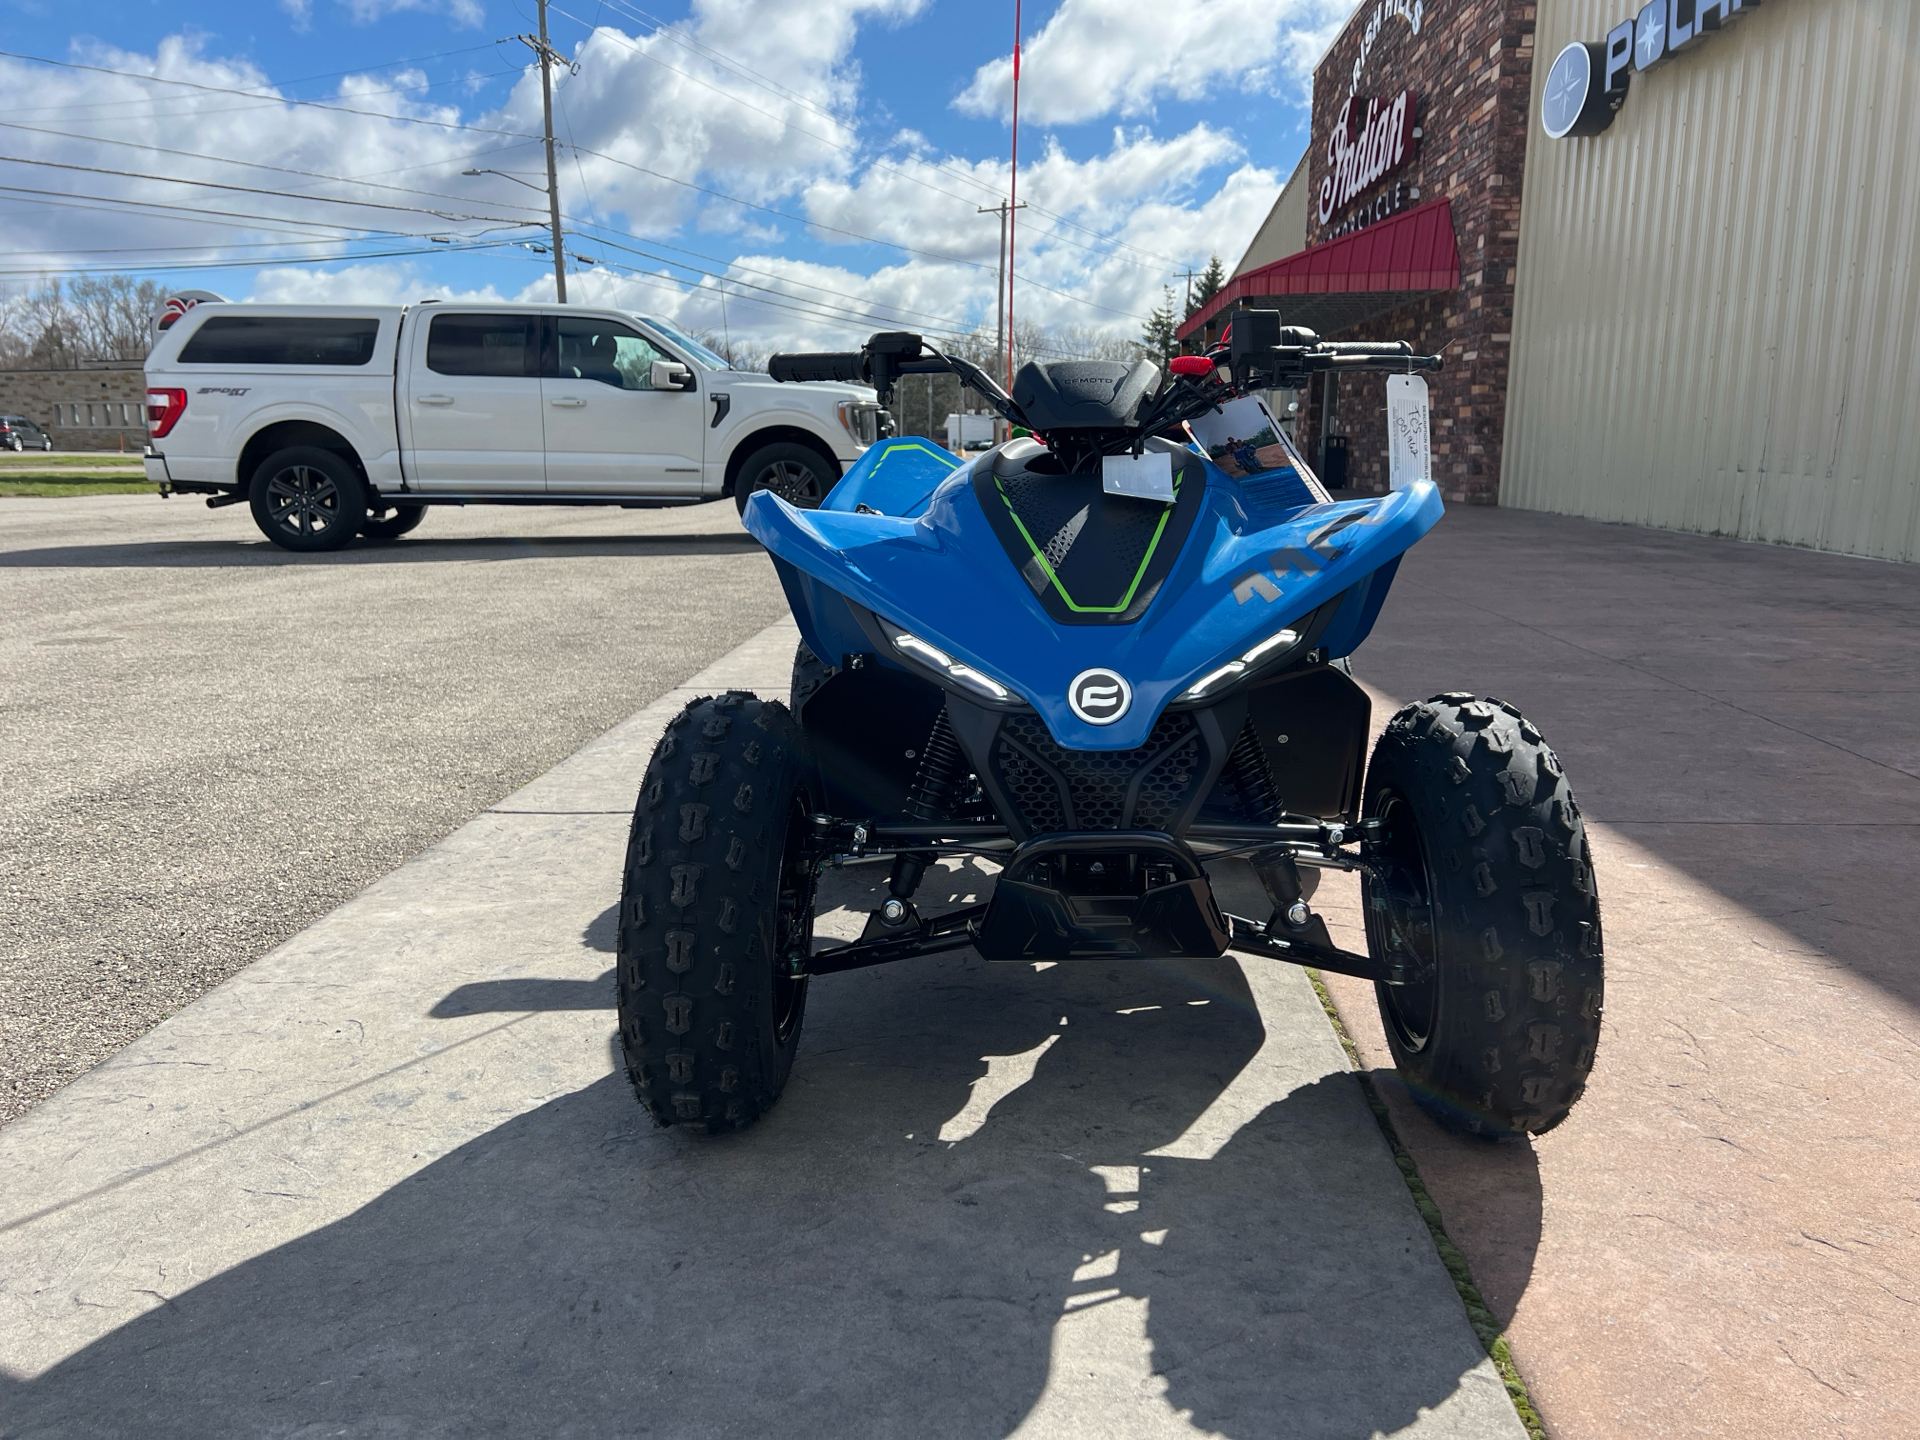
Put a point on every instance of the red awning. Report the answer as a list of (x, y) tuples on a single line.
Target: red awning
[(1348, 281)]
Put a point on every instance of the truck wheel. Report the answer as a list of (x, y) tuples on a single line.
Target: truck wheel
[(717, 902), (305, 498), (1486, 898), (798, 475), (392, 527)]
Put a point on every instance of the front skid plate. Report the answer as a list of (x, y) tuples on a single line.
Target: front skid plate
[(1026, 921)]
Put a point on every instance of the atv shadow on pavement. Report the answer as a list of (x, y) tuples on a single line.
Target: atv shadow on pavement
[(954, 1224)]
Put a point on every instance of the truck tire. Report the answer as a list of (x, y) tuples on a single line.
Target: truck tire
[(716, 903), (1486, 895), (307, 499), (392, 527), (798, 474)]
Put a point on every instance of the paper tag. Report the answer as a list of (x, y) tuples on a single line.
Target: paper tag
[(1144, 477), (1409, 431)]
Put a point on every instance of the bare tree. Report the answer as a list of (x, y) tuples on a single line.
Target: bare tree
[(60, 326), (738, 354)]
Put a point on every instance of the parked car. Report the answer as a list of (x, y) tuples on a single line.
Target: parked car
[(333, 421), (19, 433)]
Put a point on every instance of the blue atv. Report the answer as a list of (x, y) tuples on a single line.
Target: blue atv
[(1094, 658)]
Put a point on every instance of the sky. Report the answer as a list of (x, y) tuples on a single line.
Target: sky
[(791, 173)]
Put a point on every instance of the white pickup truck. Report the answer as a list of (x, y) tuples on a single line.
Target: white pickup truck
[(333, 421)]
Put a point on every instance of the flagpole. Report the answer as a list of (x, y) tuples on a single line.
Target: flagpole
[(1013, 189)]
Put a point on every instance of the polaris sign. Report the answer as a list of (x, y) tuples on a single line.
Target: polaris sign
[(1588, 82)]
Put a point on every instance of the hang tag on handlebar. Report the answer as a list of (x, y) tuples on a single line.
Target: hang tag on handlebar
[(1409, 431), (1144, 477)]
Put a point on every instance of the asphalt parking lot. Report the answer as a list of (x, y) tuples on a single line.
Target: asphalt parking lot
[(206, 743)]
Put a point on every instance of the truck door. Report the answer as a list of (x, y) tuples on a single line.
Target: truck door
[(473, 405), (609, 432)]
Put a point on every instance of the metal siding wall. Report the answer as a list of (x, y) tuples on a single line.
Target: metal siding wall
[(1717, 298)]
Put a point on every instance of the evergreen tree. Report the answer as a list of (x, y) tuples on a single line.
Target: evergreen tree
[(1157, 337), (1208, 284)]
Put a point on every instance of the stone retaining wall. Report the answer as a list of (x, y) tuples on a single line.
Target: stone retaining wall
[(97, 408)]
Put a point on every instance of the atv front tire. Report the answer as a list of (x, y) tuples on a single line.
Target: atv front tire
[(1487, 901), (717, 899)]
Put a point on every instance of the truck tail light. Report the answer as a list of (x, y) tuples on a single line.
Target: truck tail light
[(164, 409)]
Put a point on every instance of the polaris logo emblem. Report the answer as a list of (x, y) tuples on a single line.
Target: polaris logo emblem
[(1099, 697)]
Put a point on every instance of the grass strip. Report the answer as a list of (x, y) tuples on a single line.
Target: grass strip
[(59, 486), (79, 459), (1478, 1315)]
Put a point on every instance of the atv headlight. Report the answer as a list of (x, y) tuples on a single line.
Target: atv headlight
[(1273, 646), (931, 657)]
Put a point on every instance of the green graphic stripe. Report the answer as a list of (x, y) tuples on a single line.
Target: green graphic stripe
[(1145, 560), (891, 449)]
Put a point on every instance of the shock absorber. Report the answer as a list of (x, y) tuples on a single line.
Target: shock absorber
[(1252, 781), (942, 768)]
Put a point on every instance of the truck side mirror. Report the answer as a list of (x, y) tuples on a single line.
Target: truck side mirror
[(670, 375)]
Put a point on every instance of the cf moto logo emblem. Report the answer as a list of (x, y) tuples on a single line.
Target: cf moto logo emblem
[(1099, 697)]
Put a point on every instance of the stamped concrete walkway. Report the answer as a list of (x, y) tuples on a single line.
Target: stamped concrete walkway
[(1724, 1239), (386, 1180)]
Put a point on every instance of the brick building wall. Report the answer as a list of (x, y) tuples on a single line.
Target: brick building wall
[(1471, 66), (95, 408)]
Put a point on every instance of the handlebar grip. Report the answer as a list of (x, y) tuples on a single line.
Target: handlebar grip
[(848, 365), (1369, 347), (1398, 363)]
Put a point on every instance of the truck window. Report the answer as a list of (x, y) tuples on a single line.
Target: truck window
[(506, 345), (607, 351), (281, 340)]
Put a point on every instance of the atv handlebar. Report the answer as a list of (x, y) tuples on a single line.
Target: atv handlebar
[(847, 365), (1262, 352)]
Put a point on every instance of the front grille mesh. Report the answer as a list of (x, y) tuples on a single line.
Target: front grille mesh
[(1059, 789)]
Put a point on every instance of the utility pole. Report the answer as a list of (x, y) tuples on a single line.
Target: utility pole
[(548, 59), (1189, 290), (1003, 210)]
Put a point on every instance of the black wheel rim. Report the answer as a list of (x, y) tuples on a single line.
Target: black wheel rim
[(1400, 924), (303, 501), (793, 928), (797, 484)]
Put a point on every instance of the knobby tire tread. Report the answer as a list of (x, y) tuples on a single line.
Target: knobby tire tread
[(694, 977), (1517, 921)]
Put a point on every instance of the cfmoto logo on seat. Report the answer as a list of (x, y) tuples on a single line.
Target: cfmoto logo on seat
[(1099, 696)]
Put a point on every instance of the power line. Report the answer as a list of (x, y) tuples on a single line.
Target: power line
[(199, 214), (270, 96), (594, 225), (196, 266), (257, 190), (520, 135)]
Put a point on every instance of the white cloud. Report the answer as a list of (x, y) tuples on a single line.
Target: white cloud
[(1117, 57), (1106, 232), (360, 285)]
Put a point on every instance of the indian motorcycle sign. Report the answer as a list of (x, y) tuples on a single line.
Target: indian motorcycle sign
[(1372, 139)]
